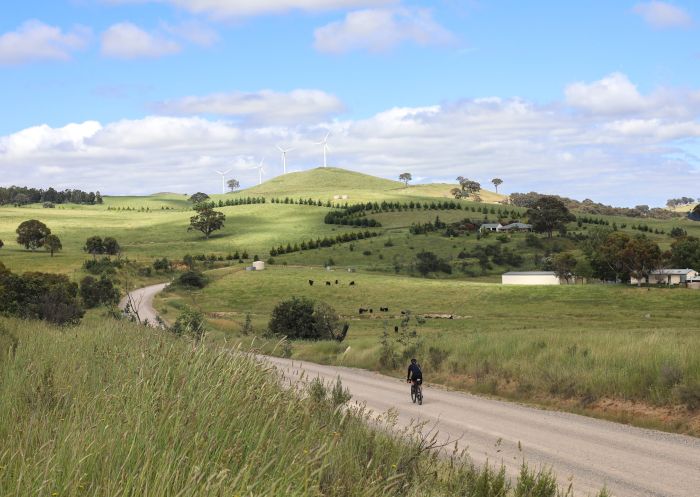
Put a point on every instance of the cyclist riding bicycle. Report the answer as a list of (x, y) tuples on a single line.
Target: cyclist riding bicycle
[(414, 375)]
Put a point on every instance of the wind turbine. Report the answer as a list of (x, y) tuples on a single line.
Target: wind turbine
[(324, 142), (223, 179), (260, 169), (284, 156)]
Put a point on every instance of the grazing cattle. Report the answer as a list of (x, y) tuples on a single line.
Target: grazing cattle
[(371, 311), (328, 283), (336, 282), (362, 310), (396, 329), (352, 283), (311, 282), (383, 309)]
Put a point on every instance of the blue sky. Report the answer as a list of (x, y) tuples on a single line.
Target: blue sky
[(587, 99)]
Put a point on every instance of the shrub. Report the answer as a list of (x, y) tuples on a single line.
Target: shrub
[(162, 264), (437, 356), (189, 323), (95, 292), (100, 266), (367, 252), (293, 318), (428, 262), (49, 205), (192, 279)]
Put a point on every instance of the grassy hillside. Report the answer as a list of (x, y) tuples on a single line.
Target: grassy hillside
[(110, 409)]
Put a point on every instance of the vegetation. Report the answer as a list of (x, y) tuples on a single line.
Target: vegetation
[(233, 184), (207, 221), (179, 428), (52, 244), (406, 178), (32, 234), (95, 292), (22, 195), (548, 214), (301, 318)]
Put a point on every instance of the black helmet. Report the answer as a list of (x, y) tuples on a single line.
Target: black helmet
[(413, 361)]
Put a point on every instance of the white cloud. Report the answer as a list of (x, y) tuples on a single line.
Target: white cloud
[(127, 41), (264, 106), (34, 40), (238, 8), (380, 30), (606, 157), (661, 15), (615, 95), (193, 32)]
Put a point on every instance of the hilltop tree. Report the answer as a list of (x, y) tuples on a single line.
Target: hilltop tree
[(52, 244), (198, 198), (207, 221), (466, 188), (405, 177), (233, 184), (496, 182), (549, 214), (32, 234)]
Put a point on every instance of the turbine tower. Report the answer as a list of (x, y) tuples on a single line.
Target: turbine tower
[(324, 142), (260, 169), (284, 157), (223, 180)]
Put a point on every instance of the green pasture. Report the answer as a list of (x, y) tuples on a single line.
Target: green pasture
[(584, 341)]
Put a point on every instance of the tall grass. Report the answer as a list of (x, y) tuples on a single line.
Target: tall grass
[(110, 409)]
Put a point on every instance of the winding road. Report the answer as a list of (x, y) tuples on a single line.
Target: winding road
[(590, 453)]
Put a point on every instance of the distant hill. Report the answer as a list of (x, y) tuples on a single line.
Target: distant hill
[(324, 183)]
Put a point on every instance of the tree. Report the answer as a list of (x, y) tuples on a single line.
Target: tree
[(98, 198), (94, 245), (327, 323), (32, 234), (52, 244), (456, 193), (685, 253), (640, 257), (496, 182), (191, 323), (564, 264), (111, 246), (207, 221), (468, 187), (609, 254), (405, 177), (428, 262), (96, 292), (294, 318), (233, 184), (198, 198), (549, 214)]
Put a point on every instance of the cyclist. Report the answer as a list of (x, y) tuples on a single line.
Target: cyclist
[(414, 375)]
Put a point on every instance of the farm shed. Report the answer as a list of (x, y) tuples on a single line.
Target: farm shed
[(259, 265), (669, 277), (530, 278)]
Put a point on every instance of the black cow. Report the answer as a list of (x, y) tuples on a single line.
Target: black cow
[(328, 283), (371, 311), (352, 283), (336, 282), (396, 329), (311, 282)]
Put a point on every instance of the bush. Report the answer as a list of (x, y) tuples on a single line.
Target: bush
[(192, 279), (49, 205), (428, 262), (301, 318), (189, 323), (162, 264), (97, 292), (437, 357)]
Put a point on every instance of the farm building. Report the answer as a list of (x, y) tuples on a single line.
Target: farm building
[(508, 228), (530, 278), (669, 277), (259, 265)]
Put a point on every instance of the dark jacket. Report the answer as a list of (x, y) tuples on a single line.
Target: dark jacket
[(414, 372)]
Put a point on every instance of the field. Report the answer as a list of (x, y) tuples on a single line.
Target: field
[(108, 408), (579, 346), (608, 350)]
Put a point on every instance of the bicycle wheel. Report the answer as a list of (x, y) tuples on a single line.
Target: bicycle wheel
[(419, 395), (414, 394)]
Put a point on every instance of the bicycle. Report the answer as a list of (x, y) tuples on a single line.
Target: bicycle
[(417, 392)]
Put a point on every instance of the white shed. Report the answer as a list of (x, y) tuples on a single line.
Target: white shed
[(259, 265), (530, 278), (670, 277)]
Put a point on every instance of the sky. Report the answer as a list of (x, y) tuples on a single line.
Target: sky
[(595, 99)]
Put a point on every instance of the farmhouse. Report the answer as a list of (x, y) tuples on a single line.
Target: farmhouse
[(530, 278), (669, 277)]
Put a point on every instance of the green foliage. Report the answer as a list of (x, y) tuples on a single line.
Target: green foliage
[(96, 292), (564, 265), (198, 198), (548, 214), (32, 234), (162, 264), (101, 266), (247, 328), (428, 262), (207, 221), (192, 279), (94, 245), (190, 323), (685, 253), (52, 244), (111, 246)]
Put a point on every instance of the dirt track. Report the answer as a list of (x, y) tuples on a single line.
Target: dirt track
[(631, 462)]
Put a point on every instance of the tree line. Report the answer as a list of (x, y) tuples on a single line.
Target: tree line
[(322, 242), (22, 195)]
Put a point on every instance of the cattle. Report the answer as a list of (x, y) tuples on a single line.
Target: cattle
[(352, 283), (311, 282), (371, 311), (362, 310), (383, 309), (396, 329), (328, 283), (336, 282)]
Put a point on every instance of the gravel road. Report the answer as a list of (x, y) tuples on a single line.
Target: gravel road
[(631, 462)]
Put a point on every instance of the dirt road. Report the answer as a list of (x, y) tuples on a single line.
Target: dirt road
[(631, 462), (142, 300)]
